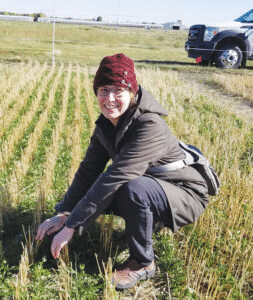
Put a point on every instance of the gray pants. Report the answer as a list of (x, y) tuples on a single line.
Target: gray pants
[(142, 202)]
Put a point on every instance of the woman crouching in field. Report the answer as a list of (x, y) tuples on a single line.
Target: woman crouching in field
[(131, 131)]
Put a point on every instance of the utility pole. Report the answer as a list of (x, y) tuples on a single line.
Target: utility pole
[(53, 50), (118, 15)]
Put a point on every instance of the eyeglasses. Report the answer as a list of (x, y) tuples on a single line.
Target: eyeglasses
[(118, 92)]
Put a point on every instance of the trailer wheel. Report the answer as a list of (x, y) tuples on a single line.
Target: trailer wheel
[(228, 57)]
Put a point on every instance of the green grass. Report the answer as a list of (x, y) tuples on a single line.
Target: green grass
[(86, 45)]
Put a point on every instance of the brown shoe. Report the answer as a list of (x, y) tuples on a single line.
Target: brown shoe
[(131, 273)]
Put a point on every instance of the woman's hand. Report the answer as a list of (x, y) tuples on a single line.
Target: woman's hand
[(51, 225), (60, 240)]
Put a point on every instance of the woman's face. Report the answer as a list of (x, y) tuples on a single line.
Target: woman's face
[(113, 101)]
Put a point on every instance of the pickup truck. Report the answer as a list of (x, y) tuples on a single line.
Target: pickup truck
[(227, 45)]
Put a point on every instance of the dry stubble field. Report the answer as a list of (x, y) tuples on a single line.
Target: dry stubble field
[(47, 115)]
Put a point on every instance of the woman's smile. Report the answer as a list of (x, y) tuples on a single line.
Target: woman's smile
[(111, 106), (113, 101)]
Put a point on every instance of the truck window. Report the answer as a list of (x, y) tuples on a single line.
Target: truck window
[(246, 18)]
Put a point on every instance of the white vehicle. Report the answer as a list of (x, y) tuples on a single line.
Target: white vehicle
[(227, 45)]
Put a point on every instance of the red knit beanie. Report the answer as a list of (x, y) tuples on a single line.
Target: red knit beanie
[(117, 69)]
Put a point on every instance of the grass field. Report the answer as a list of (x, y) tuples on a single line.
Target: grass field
[(47, 115), (84, 44)]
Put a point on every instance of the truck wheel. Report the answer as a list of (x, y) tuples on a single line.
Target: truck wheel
[(228, 57), (204, 63)]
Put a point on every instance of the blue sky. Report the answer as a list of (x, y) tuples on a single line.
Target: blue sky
[(159, 11)]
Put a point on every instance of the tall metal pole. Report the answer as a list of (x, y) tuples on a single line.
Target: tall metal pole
[(53, 51), (118, 15)]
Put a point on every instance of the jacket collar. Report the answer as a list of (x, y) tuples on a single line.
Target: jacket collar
[(145, 103)]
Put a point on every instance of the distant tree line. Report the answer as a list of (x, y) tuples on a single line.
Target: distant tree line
[(38, 15), (34, 15)]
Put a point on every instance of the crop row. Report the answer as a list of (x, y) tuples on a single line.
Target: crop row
[(47, 117)]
